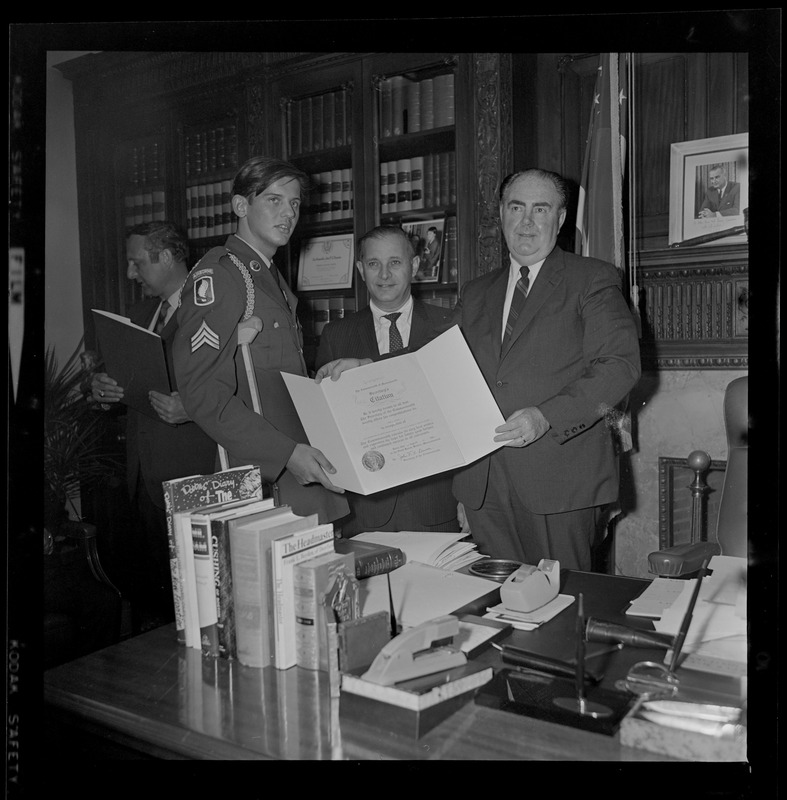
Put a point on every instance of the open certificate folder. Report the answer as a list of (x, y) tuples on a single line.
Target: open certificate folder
[(400, 419), (134, 357)]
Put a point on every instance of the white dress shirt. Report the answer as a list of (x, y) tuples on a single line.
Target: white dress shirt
[(382, 326)]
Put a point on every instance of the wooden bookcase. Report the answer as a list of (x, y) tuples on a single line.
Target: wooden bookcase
[(156, 138)]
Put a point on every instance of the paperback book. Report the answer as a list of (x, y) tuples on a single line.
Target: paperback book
[(252, 580), (286, 553), (213, 571), (190, 494)]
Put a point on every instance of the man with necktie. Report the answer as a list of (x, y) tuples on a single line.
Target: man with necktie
[(393, 321), (230, 285), (723, 197), (556, 342), (161, 447)]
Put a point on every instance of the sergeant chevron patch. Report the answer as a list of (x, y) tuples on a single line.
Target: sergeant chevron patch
[(204, 336)]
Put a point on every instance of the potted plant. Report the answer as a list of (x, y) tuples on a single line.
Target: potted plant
[(76, 454)]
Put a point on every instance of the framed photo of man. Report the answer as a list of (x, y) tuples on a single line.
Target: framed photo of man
[(709, 190), (427, 237)]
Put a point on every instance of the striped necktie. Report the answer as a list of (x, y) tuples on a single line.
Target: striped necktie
[(162, 318), (517, 302), (394, 336)]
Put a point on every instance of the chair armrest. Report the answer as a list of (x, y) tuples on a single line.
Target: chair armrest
[(85, 533), (682, 559)]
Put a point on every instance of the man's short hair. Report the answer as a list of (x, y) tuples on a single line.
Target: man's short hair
[(558, 181), (259, 172), (162, 235), (382, 232), (720, 167)]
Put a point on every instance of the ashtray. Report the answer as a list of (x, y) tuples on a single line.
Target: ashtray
[(496, 569)]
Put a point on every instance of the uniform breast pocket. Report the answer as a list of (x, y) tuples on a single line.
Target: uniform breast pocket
[(274, 340)]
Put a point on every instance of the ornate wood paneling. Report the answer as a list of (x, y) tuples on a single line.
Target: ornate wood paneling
[(493, 151), (694, 308)]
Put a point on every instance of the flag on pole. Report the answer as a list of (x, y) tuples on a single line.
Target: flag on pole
[(600, 208), (600, 232)]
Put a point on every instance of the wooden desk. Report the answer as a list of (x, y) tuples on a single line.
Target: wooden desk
[(152, 696)]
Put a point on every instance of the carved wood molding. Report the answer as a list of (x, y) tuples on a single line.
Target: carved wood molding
[(695, 312), (493, 151)]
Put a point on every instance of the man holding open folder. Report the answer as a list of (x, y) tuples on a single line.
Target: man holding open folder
[(162, 445)]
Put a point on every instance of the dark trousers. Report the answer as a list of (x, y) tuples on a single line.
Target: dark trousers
[(504, 528), (149, 577)]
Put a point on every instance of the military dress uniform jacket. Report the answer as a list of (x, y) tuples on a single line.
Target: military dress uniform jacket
[(155, 450), (574, 353), (212, 375), (428, 502)]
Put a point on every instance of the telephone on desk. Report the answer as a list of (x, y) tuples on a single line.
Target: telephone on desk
[(423, 650)]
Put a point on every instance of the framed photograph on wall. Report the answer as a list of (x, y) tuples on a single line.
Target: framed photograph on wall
[(326, 262), (709, 190), (427, 237)]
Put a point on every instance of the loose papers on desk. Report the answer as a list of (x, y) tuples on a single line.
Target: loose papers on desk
[(716, 640), (422, 592), (531, 620), (400, 419), (450, 551)]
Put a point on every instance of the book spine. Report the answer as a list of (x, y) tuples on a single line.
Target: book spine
[(317, 141), (340, 118), (429, 171), (286, 554), (312, 581), (417, 181), (306, 125), (450, 272), (427, 104), (222, 582), (325, 196), (206, 594), (174, 567), (336, 194), (328, 124), (347, 193), (403, 184), (190, 608), (386, 108), (367, 565), (252, 640), (413, 107), (383, 188), (397, 105)]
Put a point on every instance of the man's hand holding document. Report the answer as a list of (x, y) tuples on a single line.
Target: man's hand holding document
[(400, 419)]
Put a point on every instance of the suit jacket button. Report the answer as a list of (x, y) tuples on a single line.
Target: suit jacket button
[(498, 383)]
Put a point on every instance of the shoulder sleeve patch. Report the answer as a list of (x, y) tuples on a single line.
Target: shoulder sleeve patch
[(203, 290)]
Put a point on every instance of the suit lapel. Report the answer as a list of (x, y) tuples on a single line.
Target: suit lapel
[(366, 332)]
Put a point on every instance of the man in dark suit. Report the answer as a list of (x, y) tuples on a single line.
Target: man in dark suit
[(387, 264), (723, 197), (557, 368), (166, 444)]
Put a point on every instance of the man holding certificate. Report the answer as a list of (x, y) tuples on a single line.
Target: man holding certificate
[(392, 321), (237, 284)]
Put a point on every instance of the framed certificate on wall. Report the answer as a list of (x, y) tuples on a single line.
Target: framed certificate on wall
[(326, 262)]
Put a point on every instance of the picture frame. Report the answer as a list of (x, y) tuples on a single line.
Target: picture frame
[(326, 262), (429, 264), (691, 189)]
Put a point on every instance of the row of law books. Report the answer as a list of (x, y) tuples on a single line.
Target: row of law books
[(235, 558), (320, 122), (428, 181), (144, 164), (408, 106), (215, 148), (319, 311), (209, 210), (331, 198), (144, 207)]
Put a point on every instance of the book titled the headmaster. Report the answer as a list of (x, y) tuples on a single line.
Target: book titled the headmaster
[(134, 357)]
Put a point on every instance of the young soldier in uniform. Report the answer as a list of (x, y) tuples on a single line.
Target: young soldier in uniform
[(229, 285)]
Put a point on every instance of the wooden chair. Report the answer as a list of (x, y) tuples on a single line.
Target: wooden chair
[(731, 537), (83, 610)]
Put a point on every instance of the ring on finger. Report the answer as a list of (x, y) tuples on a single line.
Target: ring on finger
[(101, 394)]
